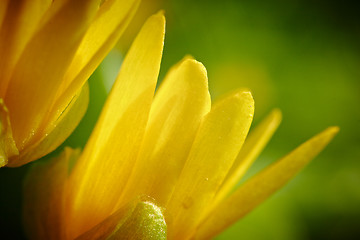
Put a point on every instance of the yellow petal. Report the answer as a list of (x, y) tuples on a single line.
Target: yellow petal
[(253, 146), (260, 187), (19, 24), (214, 150), (3, 7), (136, 221), (107, 27), (179, 106), (8, 147), (58, 130), (111, 151), (44, 199), (41, 67)]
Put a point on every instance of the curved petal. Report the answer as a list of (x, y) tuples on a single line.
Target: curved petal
[(111, 151), (261, 186), (8, 147), (42, 65), (214, 150), (253, 146), (44, 189), (3, 7), (57, 132), (20, 20), (179, 106), (110, 22)]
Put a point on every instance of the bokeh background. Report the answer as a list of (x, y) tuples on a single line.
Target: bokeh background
[(300, 56)]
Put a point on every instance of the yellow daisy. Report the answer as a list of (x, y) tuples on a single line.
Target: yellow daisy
[(162, 168), (48, 50)]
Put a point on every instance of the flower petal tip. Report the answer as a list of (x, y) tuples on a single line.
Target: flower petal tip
[(244, 96), (160, 13), (239, 97), (330, 132), (188, 56), (276, 116), (241, 93), (196, 67), (158, 17), (156, 21), (333, 129), (276, 112)]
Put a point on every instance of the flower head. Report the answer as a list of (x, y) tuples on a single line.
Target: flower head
[(48, 50), (164, 167)]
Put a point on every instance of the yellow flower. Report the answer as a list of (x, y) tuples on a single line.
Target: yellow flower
[(162, 168), (48, 50)]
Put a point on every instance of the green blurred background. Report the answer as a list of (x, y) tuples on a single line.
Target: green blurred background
[(300, 56)]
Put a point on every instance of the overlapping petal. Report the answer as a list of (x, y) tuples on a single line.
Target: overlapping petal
[(33, 86), (262, 185), (179, 106), (44, 198), (48, 50), (7, 143), (99, 39), (255, 143), (218, 141), (20, 21), (122, 123), (57, 130), (162, 168)]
